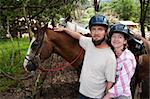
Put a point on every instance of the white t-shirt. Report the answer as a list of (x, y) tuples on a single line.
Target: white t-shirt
[(99, 66)]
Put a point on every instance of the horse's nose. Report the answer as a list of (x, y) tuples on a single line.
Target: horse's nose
[(31, 66)]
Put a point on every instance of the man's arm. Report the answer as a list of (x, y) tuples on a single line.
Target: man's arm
[(75, 35)]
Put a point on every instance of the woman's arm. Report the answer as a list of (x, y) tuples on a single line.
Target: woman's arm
[(108, 86)]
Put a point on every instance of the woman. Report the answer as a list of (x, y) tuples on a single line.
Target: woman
[(126, 63)]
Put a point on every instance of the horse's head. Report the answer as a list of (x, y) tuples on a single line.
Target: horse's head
[(136, 46), (32, 58)]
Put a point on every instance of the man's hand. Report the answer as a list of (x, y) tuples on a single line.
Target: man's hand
[(74, 34), (138, 36), (59, 29)]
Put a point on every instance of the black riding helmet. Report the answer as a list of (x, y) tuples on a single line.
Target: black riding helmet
[(119, 28), (98, 20)]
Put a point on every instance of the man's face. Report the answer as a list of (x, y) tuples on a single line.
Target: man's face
[(98, 32)]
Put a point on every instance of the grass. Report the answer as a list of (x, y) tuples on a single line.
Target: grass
[(12, 55)]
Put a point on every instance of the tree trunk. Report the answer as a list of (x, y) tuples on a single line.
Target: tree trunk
[(141, 18), (25, 15), (144, 9), (8, 30), (142, 29)]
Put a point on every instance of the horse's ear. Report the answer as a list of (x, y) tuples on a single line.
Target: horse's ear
[(45, 27), (38, 26), (41, 32)]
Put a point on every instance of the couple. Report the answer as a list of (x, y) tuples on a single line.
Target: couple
[(107, 69)]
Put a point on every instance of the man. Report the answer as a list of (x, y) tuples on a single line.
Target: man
[(99, 65)]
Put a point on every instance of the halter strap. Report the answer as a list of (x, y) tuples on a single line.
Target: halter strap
[(63, 66)]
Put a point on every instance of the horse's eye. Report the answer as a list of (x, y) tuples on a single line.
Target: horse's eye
[(34, 45)]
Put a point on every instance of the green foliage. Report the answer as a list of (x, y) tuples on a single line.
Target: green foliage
[(41, 10), (105, 6), (89, 12), (127, 9), (147, 22), (11, 60), (12, 54)]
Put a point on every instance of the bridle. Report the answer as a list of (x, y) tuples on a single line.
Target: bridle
[(37, 51)]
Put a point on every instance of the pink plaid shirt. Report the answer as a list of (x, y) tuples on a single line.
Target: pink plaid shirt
[(126, 65)]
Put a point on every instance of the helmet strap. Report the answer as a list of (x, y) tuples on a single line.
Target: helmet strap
[(98, 42)]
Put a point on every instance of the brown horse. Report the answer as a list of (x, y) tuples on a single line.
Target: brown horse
[(45, 42), (140, 80), (143, 75), (142, 54)]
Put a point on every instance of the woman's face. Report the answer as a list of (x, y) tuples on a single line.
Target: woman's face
[(118, 40)]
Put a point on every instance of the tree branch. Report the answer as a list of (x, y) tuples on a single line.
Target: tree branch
[(14, 78)]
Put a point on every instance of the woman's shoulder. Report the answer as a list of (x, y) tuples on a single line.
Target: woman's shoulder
[(129, 54)]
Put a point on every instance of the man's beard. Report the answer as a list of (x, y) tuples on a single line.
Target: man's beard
[(98, 42)]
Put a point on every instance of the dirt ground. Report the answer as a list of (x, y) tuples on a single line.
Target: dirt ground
[(63, 86), (60, 84)]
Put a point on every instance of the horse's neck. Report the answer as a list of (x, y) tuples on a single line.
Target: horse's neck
[(66, 46), (147, 47)]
